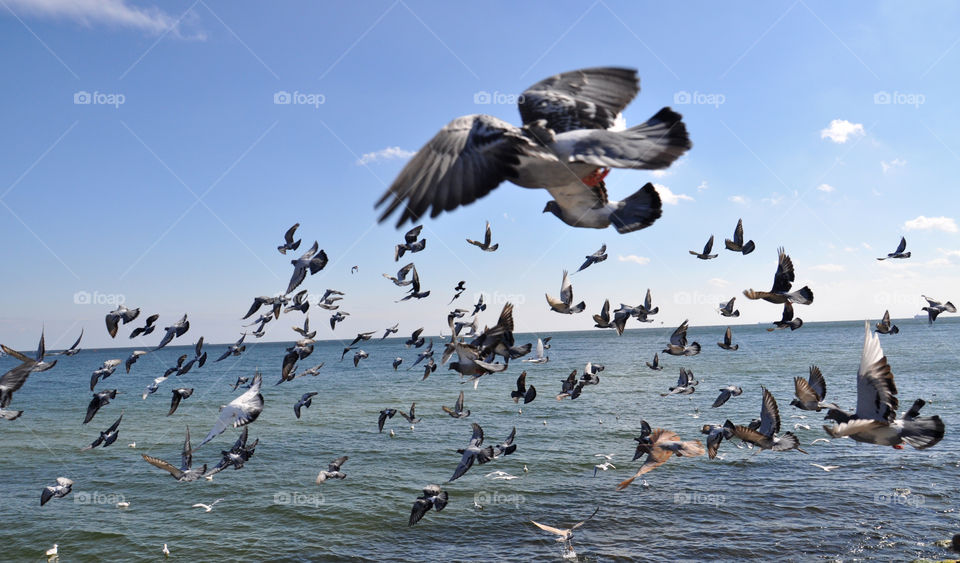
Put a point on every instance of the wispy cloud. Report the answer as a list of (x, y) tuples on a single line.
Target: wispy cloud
[(921, 223), (703, 186), (388, 153), (110, 12), (828, 268), (634, 258), (718, 282), (739, 199), (774, 200), (895, 163), (841, 130), (826, 188), (667, 196)]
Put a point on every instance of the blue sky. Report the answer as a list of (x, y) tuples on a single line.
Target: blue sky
[(831, 129)]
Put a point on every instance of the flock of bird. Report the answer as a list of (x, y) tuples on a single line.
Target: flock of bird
[(567, 144)]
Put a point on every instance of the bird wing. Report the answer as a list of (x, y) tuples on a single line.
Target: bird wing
[(335, 464), (876, 390), (162, 465), (288, 236), (550, 529), (783, 279), (769, 414), (721, 399), (566, 289), (477, 438), (420, 507), (902, 246), (582, 99), (466, 462), (727, 338), (804, 392), (709, 246), (817, 383), (186, 456), (584, 521), (174, 402), (458, 406), (679, 336), (412, 235), (738, 233)]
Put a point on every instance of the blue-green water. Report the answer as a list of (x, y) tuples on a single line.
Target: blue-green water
[(771, 505)]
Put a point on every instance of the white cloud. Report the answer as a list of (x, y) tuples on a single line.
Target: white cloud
[(384, 154), (775, 199), (826, 188), (950, 253), (921, 223), (718, 282), (110, 12), (703, 186), (739, 199), (668, 197), (828, 268), (840, 130), (897, 162), (634, 258)]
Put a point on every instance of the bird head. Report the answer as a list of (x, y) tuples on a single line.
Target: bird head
[(552, 207)]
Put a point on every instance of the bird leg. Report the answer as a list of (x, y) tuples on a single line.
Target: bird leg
[(595, 177)]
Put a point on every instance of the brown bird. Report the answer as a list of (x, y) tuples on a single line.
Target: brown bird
[(782, 281), (663, 444)]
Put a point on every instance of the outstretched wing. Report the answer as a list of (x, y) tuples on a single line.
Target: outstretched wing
[(582, 99)]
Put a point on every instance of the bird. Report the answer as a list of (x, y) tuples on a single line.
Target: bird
[(396, 362), (662, 444), (827, 467), (276, 304), (359, 355), (705, 255), (288, 242), (206, 507), (603, 467), (412, 417), (415, 339), (234, 349), (240, 381), (598, 256), (539, 358), (485, 245), (363, 336), (199, 358), (104, 371), (782, 282), (686, 384), (899, 252), (715, 436), (119, 314), (737, 244), (563, 305), (565, 535), (410, 243), (390, 330), (299, 351), (313, 260), (239, 412), (305, 331), (564, 146), (53, 552), (166, 551), (457, 410), (726, 309), (725, 394), (874, 421), (501, 476), (176, 330), (132, 358), (479, 307), (765, 435), (238, 454), (528, 394), (107, 436), (401, 277), (506, 447), (810, 392), (300, 303), (314, 371), (414, 291), (333, 470), (787, 320), (602, 320), (384, 415), (60, 490), (304, 402), (13, 380), (73, 350), (147, 328), (458, 290), (178, 395), (432, 497), (474, 452), (185, 472), (678, 343), (933, 309), (99, 399), (337, 317), (656, 363), (727, 339), (590, 374), (155, 385), (885, 326)]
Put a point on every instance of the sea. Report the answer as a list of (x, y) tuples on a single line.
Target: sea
[(880, 503)]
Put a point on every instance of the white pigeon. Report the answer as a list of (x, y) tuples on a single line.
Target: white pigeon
[(239, 412)]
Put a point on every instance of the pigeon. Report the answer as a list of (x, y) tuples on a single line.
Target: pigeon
[(737, 244), (114, 318), (300, 350), (469, 363), (314, 371), (412, 417), (899, 252), (432, 497), (598, 256), (570, 387), (539, 358), (337, 317), (305, 401), (240, 381), (401, 279), (414, 292), (603, 319), (563, 305), (391, 330), (415, 339), (363, 336), (810, 392), (384, 415), (396, 362), (73, 350), (565, 535), (276, 304), (234, 349), (663, 444), (725, 394), (715, 435), (155, 385), (147, 328), (485, 245), (99, 399), (507, 447), (426, 353), (344, 353), (185, 472), (590, 374), (457, 410), (458, 290), (727, 310), (705, 255), (60, 490), (199, 358), (825, 467), (236, 456), (528, 394), (686, 384), (359, 355), (764, 437), (132, 358), (288, 242), (480, 306), (13, 380), (305, 331), (787, 321), (176, 330), (410, 243), (656, 363), (107, 436), (874, 421), (171, 370), (300, 303), (933, 310), (330, 296), (354, 269), (727, 339), (428, 368), (782, 282), (313, 260), (178, 395), (239, 412), (885, 326), (473, 452), (333, 470), (678, 343)]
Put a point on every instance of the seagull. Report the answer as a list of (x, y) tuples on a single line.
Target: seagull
[(825, 467), (304, 402), (410, 243), (725, 394), (238, 454), (824, 440), (457, 410), (501, 476), (401, 279), (485, 245), (114, 317), (686, 384), (207, 507), (799, 425), (787, 321), (123, 504), (935, 308), (565, 535), (132, 358), (598, 256), (166, 551), (239, 412), (288, 242), (336, 318), (391, 330), (727, 310), (737, 244), (603, 467), (313, 259), (176, 330), (184, 473), (810, 392), (764, 437), (333, 470), (563, 305), (107, 436), (874, 421), (539, 358), (178, 395), (727, 338), (656, 363), (899, 252), (662, 444), (146, 329), (60, 490), (432, 497), (678, 343), (473, 452), (885, 326), (528, 394), (564, 146), (782, 281), (73, 350), (705, 255), (715, 436), (99, 399), (53, 551)]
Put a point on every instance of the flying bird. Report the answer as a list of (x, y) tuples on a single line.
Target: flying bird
[(598, 256), (60, 490), (206, 507), (412, 417), (885, 326), (563, 305), (414, 291), (359, 355), (239, 412), (238, 454), (485, 245), (300, 303), (401, 278), (933, 309), (474, 452), (737, 244), (656, 363), (727, 339), (528, 394), (147, 328), (602, 320), (715, 436), (313, 260), (570, 387), (662, 444), (99, 400), (114, 318), (782, 282), (705, 255), (565, 535), (899, 252), (234, 349), (390, 330), (678, 343), (686, 384), (765, 436), (107, 436), (132, 358), (185, 473), (103, 372), (410, 243), (333, 470), (432, 497), (275, 303), (480, 306), (177, 330), (13, 380), (725, 394), (288, 242), (810, 392), (337, 317), (178, 395), (73, 350), (727, 310), (457, 410), (458, 290), (415, 339), (363, 336), (787, 320), (384, 415)]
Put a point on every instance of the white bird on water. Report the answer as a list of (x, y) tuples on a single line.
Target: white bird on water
[(206, 507), (123, 504), (166, 551), (132, 445), (53, 551), (825, 467), (502, 475)]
